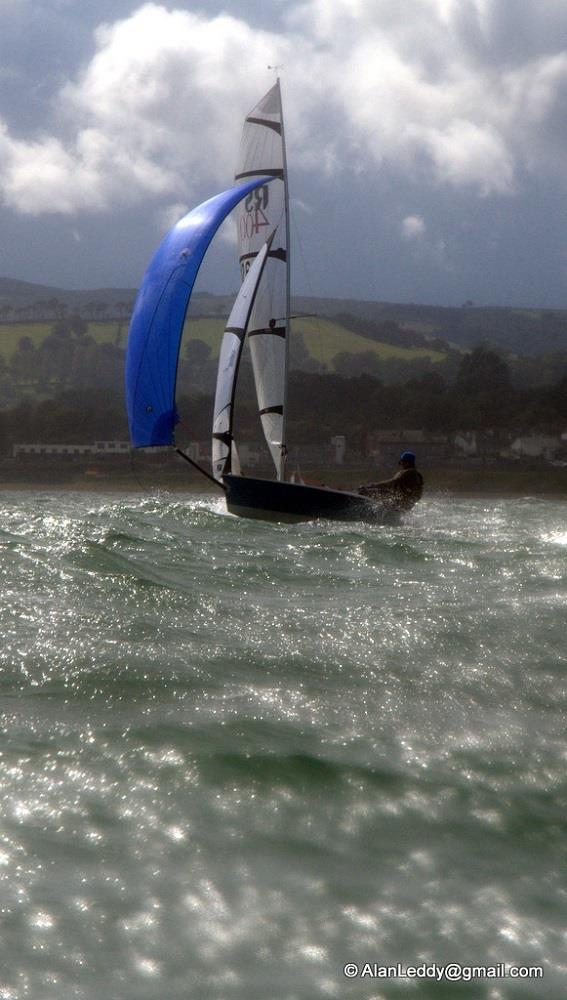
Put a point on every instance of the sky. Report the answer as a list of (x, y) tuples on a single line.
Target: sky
[(427, 146)]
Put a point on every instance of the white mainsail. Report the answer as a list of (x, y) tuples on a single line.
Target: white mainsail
[(224, 455), (262, 151)]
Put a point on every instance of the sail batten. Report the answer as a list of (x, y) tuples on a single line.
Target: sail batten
[(279, 254), (156, 327), (276, 331), (265, 171), (271, 409), (276, 126)]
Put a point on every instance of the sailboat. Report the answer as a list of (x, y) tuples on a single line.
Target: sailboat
[(261, 314)]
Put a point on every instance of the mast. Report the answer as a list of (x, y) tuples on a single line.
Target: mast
[(283, 456)]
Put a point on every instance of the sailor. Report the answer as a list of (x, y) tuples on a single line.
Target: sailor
[(403, 490)]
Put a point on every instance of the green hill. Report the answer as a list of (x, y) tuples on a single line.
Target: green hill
[(520, 331), (323, 338), (105, 332)]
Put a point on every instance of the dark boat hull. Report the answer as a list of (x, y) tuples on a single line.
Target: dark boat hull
[(270, 500)]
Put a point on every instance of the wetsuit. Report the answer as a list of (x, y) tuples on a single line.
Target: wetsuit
[(402, 491)]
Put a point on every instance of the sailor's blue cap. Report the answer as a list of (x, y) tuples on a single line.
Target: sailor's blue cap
[(407, 456)]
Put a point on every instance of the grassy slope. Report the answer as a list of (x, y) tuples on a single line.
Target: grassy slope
[(323, 338), (524, 331), (10, 334)]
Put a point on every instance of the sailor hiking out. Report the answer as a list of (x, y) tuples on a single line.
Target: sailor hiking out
[(403, 490)]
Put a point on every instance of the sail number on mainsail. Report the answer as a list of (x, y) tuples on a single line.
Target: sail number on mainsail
[(253, 219)]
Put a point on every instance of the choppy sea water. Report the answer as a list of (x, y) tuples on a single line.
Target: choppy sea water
[(236, 756)]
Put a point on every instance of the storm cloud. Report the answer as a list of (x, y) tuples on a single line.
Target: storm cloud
[(450, 97)]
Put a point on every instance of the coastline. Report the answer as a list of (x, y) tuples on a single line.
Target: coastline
[(467, 480)]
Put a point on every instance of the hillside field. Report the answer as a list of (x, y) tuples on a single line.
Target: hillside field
[(523, 331), (323, 338), (11, 333)]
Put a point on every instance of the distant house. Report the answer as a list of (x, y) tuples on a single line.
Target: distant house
[(339, 445), (194, 452), (534, 445), (200, 451), (73, 450), (111, 447), (53, 449), (465, 442), (249, 455), (487, 445)]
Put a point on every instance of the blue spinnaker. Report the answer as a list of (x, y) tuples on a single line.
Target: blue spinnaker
[(159, 314)]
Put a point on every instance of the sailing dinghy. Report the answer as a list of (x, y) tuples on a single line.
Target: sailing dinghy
[(260, 313)]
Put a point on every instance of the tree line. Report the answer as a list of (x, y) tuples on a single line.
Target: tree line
[(68, 357), (44, 310), (320, 405)]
